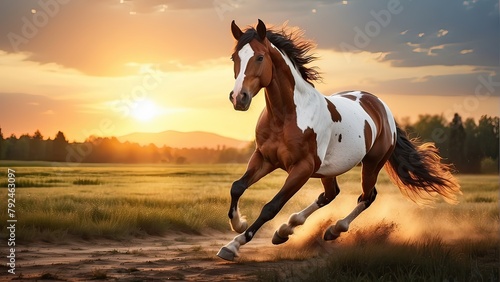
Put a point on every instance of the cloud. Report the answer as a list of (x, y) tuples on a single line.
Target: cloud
[(48, 112), (375, 26), (190, 31), (442, 32), (444, 85), (112, 38), (152, 6)]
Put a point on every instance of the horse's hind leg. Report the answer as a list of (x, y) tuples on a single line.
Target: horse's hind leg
[(296, 219), (364, 201), (372, 164)]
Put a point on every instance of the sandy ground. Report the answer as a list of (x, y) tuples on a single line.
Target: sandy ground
[(173, 257)]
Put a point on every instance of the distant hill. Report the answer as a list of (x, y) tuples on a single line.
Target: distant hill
[(176, 139)]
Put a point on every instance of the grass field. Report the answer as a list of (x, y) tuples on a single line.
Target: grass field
[(394, 240)]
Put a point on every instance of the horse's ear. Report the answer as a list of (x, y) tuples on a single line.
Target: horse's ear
[(237, 33), (261, 30)]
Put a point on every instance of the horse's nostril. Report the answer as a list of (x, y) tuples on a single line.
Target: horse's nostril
[(244, 97), (231, 96)]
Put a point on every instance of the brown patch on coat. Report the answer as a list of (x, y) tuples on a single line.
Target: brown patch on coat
[(313, 149), (375, 109), (368, 136), (350, 97), (336, 117)]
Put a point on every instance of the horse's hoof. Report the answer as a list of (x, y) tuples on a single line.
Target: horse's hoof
[(225, 253), (330, 234), (277, 239)]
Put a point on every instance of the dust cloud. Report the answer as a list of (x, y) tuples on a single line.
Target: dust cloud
[(390, 219)]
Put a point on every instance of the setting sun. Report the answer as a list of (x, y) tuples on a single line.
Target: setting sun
[(144, 110)]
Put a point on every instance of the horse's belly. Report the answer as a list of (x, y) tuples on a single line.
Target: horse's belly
[(342, 156)]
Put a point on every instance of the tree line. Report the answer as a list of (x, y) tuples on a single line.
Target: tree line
[(110, 150), (472, 147)]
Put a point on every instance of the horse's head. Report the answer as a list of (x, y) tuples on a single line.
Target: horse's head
[(253, 68)]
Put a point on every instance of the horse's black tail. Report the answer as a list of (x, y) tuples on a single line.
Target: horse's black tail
[(418, 172)]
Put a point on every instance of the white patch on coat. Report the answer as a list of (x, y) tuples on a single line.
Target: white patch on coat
[(236, 243), (342, 155), (337, 155), (300, 217), (238, 222), (297, 219), (245, 53), (312, 110)]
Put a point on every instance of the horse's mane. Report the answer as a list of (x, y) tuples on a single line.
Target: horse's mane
[(292, 44)]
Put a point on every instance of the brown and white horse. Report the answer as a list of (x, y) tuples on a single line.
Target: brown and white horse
[(309, 135)]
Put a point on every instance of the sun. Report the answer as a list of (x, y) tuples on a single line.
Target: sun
[(144, 110)]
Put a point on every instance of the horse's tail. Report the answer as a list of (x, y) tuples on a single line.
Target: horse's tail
[(418, 172)]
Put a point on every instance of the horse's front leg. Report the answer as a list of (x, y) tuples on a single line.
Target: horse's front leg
[(297, 177), (257, 168)]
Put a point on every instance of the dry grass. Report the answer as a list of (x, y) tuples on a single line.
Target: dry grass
[(394, 240), (119, 202)]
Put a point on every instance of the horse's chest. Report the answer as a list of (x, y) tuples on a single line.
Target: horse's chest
[(283, 147)]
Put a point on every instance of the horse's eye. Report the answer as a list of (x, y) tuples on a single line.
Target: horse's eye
[(260, 58)]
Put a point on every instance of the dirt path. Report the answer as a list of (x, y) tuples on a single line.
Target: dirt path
[(172, 257)]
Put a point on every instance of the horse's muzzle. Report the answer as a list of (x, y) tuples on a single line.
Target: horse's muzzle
[(241, 101)]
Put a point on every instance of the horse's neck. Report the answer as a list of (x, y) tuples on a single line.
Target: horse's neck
[(287, 91), (279, 98)]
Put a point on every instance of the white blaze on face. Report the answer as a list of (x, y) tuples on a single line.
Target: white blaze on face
[(245, 54)]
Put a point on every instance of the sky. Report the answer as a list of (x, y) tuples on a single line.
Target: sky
[(113, 67)]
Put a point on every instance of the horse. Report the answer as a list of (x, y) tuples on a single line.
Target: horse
[(310, 135)]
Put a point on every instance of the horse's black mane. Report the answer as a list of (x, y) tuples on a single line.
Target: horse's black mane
[(292, 45)]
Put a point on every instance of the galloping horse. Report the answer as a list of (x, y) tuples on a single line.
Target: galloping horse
[(309, 135)]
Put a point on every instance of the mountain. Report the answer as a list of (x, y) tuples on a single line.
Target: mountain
[(176, 139)]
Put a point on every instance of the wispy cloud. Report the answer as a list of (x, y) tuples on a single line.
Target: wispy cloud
[(442, 32)]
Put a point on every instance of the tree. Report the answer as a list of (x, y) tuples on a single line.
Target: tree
[(457, 142), (59, 147), (487, 134), (180, 160), (23, 147), (228, 155), (11, 147), (36, 147), (431, 128), (488, 141), (472, 152), (1, 145)]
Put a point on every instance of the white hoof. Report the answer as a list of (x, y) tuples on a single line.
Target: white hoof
[(226, 253), (333, 232), (341, 226)]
